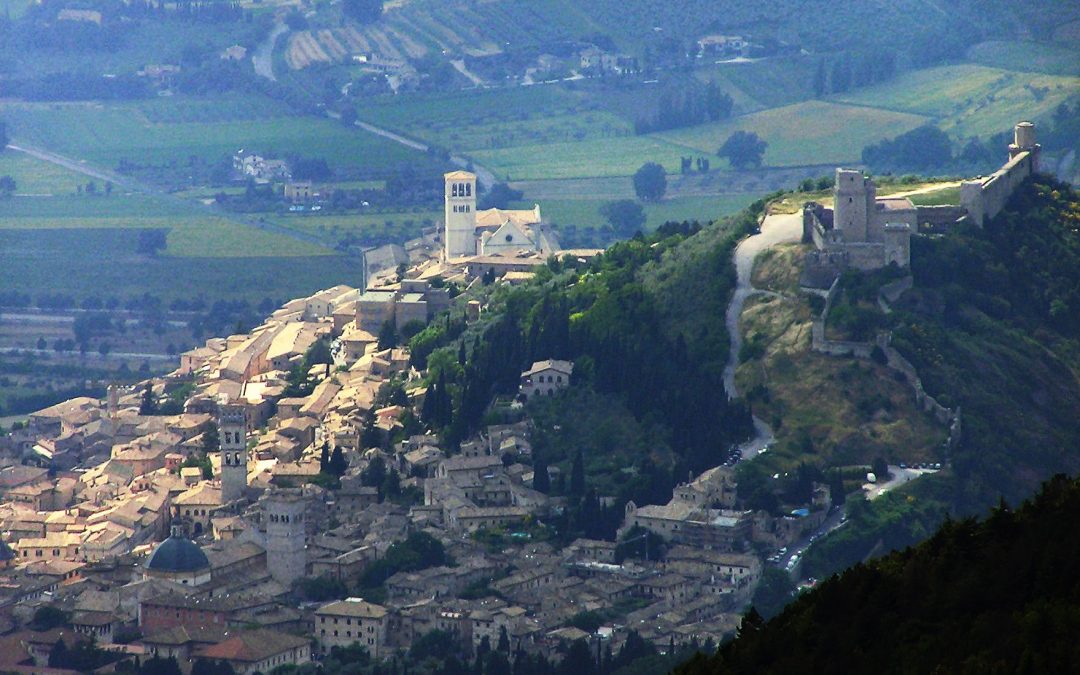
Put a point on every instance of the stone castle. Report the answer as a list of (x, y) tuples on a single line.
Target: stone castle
[(866, 232), (862, 230), (489, 232)]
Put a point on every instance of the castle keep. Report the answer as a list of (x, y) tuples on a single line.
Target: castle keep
[(862, 230)]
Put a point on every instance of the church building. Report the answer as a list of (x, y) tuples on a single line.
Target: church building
[(470, 232)]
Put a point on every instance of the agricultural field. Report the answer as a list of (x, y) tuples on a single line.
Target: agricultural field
[(34, 177), (105, 134), (810, 133), (1038, 57), (970, 100), (393, 225), (585, 213), (767, 83), (104, 262), (194, 231), (142, 42), (430, 116), (620, 156)]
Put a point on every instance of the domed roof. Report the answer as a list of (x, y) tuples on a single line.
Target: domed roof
[(177, 554)]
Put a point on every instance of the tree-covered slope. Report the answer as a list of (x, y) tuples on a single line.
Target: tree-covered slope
[(997, 596)]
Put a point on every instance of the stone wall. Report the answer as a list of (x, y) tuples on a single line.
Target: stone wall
[(938, 217), (983, 199), (893, 359)]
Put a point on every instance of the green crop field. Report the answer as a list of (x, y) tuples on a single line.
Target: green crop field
[(1039, 57), (194, 231), (814, 132), (104, 263), (331, 228), (104, 134), (970, 100), (585, 213), (605, 157), (35, 177), (764, 84)]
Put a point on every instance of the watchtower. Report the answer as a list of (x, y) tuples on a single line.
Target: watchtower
[(232, 425), (459, 214), (286, 551), (854, 203), (1024, 141)]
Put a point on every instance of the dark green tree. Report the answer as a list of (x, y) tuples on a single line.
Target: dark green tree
[(149, 404), (337, 465), (388, 335), (820, 79), (744, 149), (650, 182), (625, 216), (577, 475), (541, 478)]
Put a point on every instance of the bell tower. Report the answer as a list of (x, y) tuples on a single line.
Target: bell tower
[(232, 425), (459, 214)]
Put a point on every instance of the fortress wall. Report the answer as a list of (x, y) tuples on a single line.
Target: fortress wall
[(893, 359), (984, 200), (866, 256), (939, 216)]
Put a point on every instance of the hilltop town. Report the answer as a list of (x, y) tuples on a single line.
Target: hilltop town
[(280, 494)]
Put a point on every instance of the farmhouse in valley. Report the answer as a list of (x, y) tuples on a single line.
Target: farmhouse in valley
[(490, 232)]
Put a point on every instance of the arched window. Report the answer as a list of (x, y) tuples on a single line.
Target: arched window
[(453, 190), (468, 189)]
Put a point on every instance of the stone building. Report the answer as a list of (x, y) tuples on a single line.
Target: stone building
[(342, 623), (488, 232), (232, 422), (862, 230), (286, 550), (179, 560), (545, 378), (412, 300)]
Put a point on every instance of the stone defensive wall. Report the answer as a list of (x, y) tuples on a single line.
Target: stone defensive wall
[(893, 359), (984, 198)]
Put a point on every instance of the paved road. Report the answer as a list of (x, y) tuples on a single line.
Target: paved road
[(82, 167), (263, 58), (483, 175), (897, 477), (776, 229)]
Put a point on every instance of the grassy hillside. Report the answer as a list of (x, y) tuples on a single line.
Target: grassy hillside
[(823, 410), (978, 597)]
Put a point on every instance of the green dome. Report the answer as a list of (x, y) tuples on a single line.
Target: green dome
[(177, 554), (6, 553)]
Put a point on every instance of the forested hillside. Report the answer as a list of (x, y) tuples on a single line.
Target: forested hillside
[(997, 596), (644, 326), (991, 326)]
